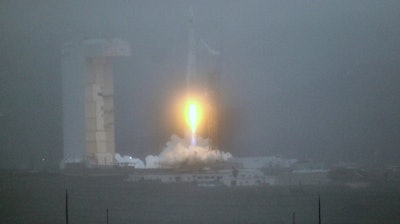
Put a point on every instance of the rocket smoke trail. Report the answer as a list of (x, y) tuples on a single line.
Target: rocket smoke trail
[(196, 90), (191, 66)]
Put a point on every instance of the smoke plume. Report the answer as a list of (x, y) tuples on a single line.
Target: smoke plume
[(178, 153)]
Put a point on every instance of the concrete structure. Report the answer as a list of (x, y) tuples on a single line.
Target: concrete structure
[(88, 100)]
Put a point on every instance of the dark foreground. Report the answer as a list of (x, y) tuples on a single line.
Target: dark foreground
[(40, 198)]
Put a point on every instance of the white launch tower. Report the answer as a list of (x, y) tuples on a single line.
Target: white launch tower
[(88, 100)]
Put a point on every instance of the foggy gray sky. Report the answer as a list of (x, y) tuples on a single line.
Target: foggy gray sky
[(302, 79)]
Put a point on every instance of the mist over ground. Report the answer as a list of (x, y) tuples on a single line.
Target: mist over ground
[(308, 79), (41, 198)]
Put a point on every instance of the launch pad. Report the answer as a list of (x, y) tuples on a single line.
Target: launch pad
[(88, 102)]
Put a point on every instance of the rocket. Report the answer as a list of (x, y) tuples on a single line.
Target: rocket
[(193, 90), (198, 92)]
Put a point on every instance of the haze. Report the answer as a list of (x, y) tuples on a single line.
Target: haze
[(304, 79)]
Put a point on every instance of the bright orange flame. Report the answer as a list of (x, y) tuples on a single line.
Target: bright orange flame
[(193, 115)]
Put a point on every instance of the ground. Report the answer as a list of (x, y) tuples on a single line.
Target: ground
[(40, 198)]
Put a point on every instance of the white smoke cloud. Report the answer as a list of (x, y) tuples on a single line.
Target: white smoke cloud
[(129, 161), (152, 162), (179, 153)]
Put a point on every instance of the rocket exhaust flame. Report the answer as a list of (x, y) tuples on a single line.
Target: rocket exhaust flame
[(193, 115), (193, 118)]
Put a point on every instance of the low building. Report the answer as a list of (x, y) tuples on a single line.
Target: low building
[(205, 178)]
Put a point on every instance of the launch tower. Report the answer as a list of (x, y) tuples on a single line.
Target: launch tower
[(88, 100)]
